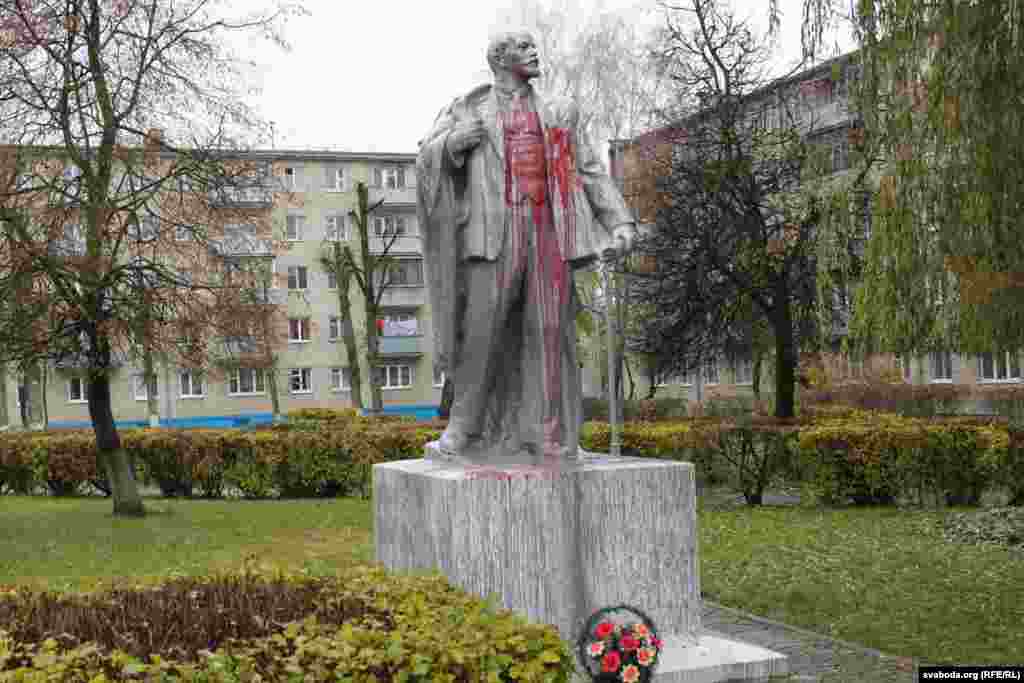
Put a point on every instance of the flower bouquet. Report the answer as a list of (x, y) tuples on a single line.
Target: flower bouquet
[(619, 650)]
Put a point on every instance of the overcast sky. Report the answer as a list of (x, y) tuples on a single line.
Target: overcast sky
[(372, 75)]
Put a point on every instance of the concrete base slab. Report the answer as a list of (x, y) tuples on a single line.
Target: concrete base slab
[(714, 659)]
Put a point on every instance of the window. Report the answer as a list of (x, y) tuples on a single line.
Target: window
[(390, 177), (290, 178), (865, 214), (389, 226), (334, 178), (400, 325), (406, 274), (139, 383), (298, 277), (293, 228), (341, 379), (1003, 366), (332, 280), (710, 370), (840, 156), (144, 230), (334, 328), (298, 329), (394, 376), (905, 368), (744, 370), (682, 378), (191, 385), (246, 381), (75, 232), (77, 390), (336, 228), (238, 231), (438, 376), (941, 366), (300, 381)]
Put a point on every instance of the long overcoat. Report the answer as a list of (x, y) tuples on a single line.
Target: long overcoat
[(461, 199)]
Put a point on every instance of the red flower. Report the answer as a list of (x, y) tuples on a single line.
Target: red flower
[(644, 656), (631, 674), (610, 662), (657, 643), (604, 629), (629, 643)]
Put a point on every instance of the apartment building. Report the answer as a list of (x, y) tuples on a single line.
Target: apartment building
[(817, 102), (313, 369)]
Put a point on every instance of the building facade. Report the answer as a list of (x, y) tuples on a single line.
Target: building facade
[(313, 368), (817, 103)]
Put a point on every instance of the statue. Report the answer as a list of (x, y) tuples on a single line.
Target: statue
[(511, 199)]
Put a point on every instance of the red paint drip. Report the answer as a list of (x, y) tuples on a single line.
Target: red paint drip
[(527, 153), (562, 164)]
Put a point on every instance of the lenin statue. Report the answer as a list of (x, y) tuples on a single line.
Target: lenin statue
[(511, 199)]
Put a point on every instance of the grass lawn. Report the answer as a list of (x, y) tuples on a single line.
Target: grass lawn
[(880, 577), (73, 543)]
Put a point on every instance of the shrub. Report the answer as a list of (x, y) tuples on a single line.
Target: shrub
[(362, 625), (756, 452), (874, 457)]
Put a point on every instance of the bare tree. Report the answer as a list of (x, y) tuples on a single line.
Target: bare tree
[(82, 200), (737, 218), (374, 271)]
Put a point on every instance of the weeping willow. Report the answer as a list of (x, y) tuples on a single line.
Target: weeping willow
[(941, 96)]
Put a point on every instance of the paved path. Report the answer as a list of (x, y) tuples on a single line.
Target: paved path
[(812, 656)]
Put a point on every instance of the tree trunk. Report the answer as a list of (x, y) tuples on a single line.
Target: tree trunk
[(785, 361), (348, 331), (755, 379), (447, 396), (124, 488), (23, 399), (373, 359), (629, 376), (44, 376), (275, 397), (149, 375), (4, 416)]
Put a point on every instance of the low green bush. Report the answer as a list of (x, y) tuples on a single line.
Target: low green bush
[(364, 625), (839, 455)]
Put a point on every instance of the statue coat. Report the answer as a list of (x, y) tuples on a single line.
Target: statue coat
[(462, 208)]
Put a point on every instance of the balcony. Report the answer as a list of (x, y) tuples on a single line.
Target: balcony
[(400, 195), (255, 197), (402, 346), (406, 295)]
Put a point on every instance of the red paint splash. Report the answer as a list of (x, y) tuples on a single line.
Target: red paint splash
[(530, 156)]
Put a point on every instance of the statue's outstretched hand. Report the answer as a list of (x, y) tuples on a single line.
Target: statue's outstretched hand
[(621, 243), (466, 135)]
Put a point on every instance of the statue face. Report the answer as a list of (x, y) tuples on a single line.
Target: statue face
[(521, 56)]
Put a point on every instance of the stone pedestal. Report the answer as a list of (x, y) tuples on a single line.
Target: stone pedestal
[(555, 544)]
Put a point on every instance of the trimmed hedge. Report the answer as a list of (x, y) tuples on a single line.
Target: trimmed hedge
[(323, 453), (839, 454)]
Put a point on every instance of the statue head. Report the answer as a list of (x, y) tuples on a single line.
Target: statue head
[(515, 53)]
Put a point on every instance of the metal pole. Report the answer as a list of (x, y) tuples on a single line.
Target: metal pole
[(615, 447)]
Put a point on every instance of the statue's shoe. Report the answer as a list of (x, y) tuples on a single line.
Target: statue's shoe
[(453, 442)]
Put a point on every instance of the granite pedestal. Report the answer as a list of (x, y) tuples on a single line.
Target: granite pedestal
[(558, 543)]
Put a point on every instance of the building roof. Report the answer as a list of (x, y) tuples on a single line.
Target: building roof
[(771, 87)]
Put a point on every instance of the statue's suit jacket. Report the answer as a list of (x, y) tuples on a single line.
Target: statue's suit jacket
[(461, 199)]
